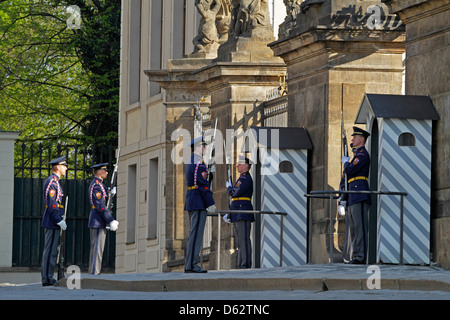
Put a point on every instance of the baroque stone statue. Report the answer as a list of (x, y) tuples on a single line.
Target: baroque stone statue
[(293, 8), (207, 38), (251, 18)]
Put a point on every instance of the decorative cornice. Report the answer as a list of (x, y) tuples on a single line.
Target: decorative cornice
[(414, 10)]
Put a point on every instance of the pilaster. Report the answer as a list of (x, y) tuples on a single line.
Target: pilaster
[(335, 52)]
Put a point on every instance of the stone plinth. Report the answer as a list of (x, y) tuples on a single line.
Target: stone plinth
[(334, 55)]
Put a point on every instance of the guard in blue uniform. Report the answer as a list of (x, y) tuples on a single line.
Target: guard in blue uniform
[(52, 220), (199, 201), (357, 171), (100, 217), (241, 199)]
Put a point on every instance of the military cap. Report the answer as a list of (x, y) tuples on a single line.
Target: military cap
[(360, 132), (60, 160), (198, 141), (100, 166), (243, 159)]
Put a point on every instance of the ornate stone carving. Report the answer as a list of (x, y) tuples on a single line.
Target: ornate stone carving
[(251, 18), (207, 39), (223, 21), (293, 8)]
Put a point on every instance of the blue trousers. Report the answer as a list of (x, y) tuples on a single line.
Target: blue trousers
[(50, 255), (197, 221), (242, 231), (359, 219)]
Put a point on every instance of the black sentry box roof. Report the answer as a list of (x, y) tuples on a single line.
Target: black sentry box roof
[(290, 138), (396, 106)]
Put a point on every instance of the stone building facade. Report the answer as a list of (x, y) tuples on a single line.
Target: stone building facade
[(156, 35), (427, 65), (333, 52)]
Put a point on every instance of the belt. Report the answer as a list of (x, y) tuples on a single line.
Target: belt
[(192, 187), (59, 206), (241, 198), (357, 178)]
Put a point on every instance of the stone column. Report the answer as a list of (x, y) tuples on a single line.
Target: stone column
[(335, 52), (238, 81), (6, 196), (427, 60), (182, 93)]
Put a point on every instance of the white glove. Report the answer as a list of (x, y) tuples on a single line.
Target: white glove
[(341, 208), (212, 169), (226, 219), (113, 191), (345, 159), (228, 184), (62, 225), (211, 209), (114, 225)]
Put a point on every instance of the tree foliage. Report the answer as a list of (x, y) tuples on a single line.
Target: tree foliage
[(59, 83)]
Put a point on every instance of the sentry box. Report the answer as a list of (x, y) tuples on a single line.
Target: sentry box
[(280, 177), (400, 151)]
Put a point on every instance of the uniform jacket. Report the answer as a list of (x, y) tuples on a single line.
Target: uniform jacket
[(54, 211), (357, 169), (243, 188), (199, 195), (99, 216)]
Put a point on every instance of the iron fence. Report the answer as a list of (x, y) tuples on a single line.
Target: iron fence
[(31, 170)]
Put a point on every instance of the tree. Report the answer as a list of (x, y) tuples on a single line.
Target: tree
[(56, 82)]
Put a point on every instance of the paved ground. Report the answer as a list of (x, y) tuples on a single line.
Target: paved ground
[(335, 281)]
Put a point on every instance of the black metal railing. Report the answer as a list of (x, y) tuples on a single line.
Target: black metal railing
[(220, 213), (332, 195)]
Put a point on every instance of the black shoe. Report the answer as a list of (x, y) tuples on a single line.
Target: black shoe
[(50, 282), (356, 261), (196, 269)]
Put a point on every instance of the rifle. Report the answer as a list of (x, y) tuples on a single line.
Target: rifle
[(344, 197), (113, 182), (61, 246), (227, 162), (212, 154)]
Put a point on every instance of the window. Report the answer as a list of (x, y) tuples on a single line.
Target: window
[(156, 42), (286, 167), (135, 51), (153, 199), (406, 139), (179, 13), (131, 204)]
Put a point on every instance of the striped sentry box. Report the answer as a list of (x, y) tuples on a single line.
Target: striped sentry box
[(405, 168), (283, 192), (404, 130)]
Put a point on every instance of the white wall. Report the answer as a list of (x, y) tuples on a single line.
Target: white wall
[(6, 196)]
